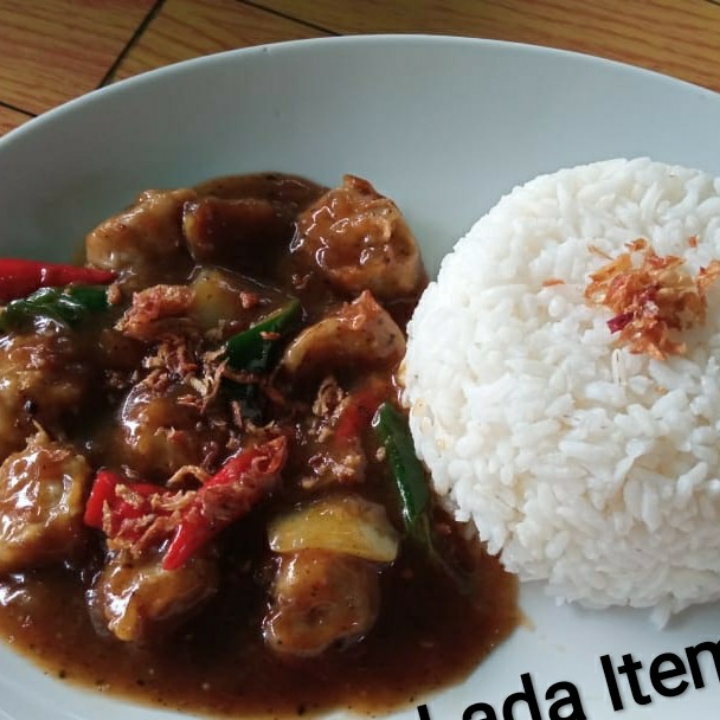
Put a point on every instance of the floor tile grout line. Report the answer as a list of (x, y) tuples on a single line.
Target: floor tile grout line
[(286, 16), (15, 108), (149, 17)]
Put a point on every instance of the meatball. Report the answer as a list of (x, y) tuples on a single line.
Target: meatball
[(43, 378), (320, 598), (145, 243), (42, 498), (359, 240), (163, 427), (138, 601)]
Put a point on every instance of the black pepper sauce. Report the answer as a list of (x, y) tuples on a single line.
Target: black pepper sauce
[(429, 634)]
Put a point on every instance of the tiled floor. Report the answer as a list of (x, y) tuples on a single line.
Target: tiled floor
[(54, 50)]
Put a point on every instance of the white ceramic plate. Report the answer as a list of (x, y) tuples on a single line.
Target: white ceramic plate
[(442, 125)]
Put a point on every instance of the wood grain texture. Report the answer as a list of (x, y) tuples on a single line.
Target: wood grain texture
[(185, 29), (10, 119), (676, 37), (54, 50)]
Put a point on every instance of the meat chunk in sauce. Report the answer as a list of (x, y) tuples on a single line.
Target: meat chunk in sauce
[(245, 232), (246, 222), (360, 333), (359, 240), (43, 379), (163, 427), (319, 599), (43, 489), (144, 244), (140, 602)]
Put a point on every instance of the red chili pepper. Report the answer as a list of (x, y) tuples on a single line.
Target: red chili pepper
[(244, 480), (103, 490), (19, 278), (358, 413), (104, 495)]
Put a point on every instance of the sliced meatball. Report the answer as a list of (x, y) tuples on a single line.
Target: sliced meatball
[(247, 234), (360, 333), (43, 378), (163, 427), (359, 240), (138, 601), (320, 598), (42, 499), (144, 244)]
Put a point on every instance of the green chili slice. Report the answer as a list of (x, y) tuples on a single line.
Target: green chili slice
[(255, 349), (392, 430), (70, 306), (407, 471)]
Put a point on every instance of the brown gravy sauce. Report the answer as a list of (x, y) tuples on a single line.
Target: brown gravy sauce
[(428, 636)]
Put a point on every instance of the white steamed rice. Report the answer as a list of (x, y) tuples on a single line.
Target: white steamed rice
[(580, 463)]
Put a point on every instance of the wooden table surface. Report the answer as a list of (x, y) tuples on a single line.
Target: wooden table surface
[(54, 50)]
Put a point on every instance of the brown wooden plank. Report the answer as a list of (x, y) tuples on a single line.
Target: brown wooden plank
[(676, 37), (54, 50), (185, 29), (10, 119)]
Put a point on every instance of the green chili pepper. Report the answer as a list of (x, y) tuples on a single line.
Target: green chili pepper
[(70, 305), (393, 432), (252, 349), (255, 350), (407, 471)]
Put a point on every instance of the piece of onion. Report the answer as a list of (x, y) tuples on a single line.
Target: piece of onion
[(346, 524)]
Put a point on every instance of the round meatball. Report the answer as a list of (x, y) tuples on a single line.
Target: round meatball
[(359, 240), (138, 601), (43, 378), (320, 598), (145, 243), (162, 429)]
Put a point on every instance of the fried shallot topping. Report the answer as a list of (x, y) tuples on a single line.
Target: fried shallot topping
[(157, 313), (652, 296)]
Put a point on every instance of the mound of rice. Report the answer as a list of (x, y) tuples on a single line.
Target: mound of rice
[(581, 463)]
